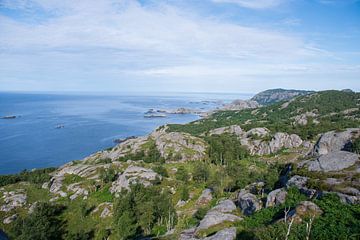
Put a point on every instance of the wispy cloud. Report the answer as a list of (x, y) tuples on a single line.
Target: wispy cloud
[(77, 44), (253, 4)]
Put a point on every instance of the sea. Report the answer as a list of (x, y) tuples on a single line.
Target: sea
[(51, 129)]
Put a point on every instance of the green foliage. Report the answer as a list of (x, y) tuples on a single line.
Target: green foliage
[(225, 148), (160, 169), (104, 161), (184, 193), (201, 172), (37, 176), (143, 211), (107, 175), (279, 119), (200, 213), (182, 174), (81, 235), (149, 154), (43, 224), (339, 221), (356, 146)]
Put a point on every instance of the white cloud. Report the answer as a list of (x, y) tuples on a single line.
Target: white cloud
[(123, 42), (253, 4)]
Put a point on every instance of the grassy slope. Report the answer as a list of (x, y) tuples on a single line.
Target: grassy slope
[(277, 118)]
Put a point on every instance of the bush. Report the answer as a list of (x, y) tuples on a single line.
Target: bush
[(142, 211), (107, 175), (43, 224), (201, 172), (184, 193), (225, 148), (38, 176), (182, 174)]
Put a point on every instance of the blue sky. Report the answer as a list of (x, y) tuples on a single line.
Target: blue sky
[(179, 46)]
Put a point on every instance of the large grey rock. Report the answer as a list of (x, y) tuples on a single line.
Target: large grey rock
[(303, 210), (237, 105), (333, 161), (12, 200), (276, 197), (225, 234), (297, 181), (348, 199), (262, 147), (174, 145), (213, 218), (10, 219), (132, 175), (233, 129), (248, 203), (226, 206), (335, 141), (205, 197)]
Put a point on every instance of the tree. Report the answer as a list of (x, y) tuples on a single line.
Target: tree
[(201, 172), (42, 224), (182, 174)]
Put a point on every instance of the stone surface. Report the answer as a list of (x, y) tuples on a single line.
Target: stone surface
[(333, 161), (132, 175), (276, 197), (225, 234), (10, 219), (213, 218), (12, 200), (233, 129), (205, 197), (305, 209), (248, 203), (237, 105), (297, 181), (176, 146), (335, 141), (225, 206)]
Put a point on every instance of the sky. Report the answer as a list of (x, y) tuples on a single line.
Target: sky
[(179, 46)]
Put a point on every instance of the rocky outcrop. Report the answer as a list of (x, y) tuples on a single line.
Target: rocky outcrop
[(335, 141), (278, 142), (225, 234), (132, 175), (276, 197), (178, 146), (278, 95), (105, 208), (233, 129), (10, 219), (248, 203), (303, 210), (303, 118), (333, 161), (255, 139), (77, 191), (13, 199), (240, 105), (226, 206), (218, 215), (205, 197)]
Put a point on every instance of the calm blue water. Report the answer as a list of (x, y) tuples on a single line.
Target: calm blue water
[(91, 123)]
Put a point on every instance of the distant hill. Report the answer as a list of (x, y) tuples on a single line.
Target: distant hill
[(278, 95)]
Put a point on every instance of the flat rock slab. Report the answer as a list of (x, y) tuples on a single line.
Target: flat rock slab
[(334, 161)]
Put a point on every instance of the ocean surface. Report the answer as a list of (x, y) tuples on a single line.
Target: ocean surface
[(89, 123)]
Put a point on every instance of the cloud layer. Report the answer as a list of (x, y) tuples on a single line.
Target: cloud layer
[(74, 44)]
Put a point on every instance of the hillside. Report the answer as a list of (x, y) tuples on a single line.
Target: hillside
[(289, 170), (278, 95)]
